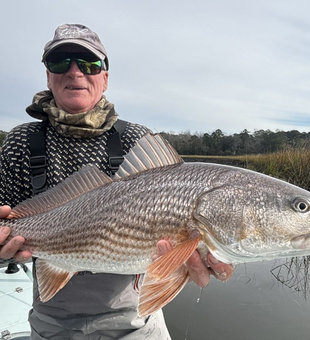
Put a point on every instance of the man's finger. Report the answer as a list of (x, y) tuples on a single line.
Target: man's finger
[(22, 256), (220, 270), (163, 247), (199, 273), (4, 211), (9, 250)]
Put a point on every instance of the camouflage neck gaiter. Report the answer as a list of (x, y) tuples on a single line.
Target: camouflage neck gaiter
[(78, 125)]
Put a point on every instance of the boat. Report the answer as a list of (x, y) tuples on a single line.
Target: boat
[(15, 299)]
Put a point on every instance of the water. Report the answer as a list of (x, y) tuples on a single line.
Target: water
[(251, 306), (191, 312)]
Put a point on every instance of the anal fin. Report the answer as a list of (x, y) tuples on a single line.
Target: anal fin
[(50, 279)]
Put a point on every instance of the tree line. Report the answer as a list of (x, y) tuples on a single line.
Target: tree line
[(2, 136), (218, 143)]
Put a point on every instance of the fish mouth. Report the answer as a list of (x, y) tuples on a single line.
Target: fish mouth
[(301, 241)]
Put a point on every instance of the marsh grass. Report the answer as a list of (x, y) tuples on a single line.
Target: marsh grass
[(289, 164)]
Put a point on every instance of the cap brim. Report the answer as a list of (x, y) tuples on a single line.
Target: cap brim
[(78, 42)]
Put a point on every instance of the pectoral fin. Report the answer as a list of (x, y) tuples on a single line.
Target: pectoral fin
[(166, 277), (170, 262), (50, 279)]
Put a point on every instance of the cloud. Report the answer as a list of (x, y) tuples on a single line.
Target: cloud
[(175, 65), (297, 119)]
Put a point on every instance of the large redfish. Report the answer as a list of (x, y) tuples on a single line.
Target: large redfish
[(92, 222)]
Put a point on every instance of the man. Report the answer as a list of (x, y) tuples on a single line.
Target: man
[(77, 120)]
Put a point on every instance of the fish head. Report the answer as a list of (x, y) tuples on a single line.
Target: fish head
[(259, 219)]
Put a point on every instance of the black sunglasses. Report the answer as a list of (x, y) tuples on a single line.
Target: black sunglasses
[(60, 62)]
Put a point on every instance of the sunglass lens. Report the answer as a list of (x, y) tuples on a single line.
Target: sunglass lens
[(58, 66), (90, 67)]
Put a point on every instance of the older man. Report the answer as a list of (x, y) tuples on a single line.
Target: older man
[(76, 121)]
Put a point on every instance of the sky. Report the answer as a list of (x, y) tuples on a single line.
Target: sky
[(175, 65)]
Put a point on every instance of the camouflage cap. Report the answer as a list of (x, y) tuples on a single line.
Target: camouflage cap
[(78, 35)]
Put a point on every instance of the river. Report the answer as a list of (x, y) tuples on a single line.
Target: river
[(253, 305)]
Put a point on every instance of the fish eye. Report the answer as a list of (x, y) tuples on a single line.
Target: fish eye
[(301, 205)]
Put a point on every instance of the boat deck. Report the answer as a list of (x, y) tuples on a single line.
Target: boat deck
[(15, 300)]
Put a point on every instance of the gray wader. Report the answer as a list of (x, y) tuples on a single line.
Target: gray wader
[(112, 326), (100, 306)]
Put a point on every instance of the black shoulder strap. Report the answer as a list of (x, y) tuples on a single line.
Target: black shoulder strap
[(37, 160), (115, 148)]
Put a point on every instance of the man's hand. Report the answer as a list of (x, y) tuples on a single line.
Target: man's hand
[(11, 249), (198, 271)]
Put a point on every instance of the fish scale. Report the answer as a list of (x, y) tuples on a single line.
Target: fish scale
[(95, 223), (105, 225)]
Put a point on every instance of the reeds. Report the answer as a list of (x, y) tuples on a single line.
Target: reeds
[(291, 164)]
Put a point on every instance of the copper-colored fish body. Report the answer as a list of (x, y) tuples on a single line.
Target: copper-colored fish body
[(95, 223)]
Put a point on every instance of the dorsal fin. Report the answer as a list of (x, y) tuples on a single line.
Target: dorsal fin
[(88, 178), (150, 152)]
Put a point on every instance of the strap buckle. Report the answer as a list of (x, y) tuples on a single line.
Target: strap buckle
[(37, 162), (115, 162), (38, 179)]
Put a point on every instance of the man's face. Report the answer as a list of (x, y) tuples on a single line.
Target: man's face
[(74, 91)]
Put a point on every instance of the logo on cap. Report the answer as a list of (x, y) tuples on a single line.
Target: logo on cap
[(73, 32)]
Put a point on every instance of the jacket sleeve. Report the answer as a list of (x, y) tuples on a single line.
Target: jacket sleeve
[(9, 174), (5, 178), (15, 179)]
